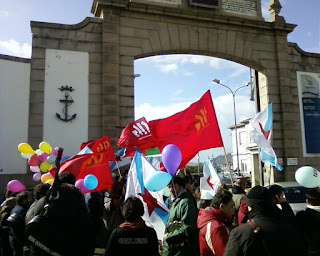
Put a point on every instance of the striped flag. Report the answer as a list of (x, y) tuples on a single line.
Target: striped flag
[(210, 181)]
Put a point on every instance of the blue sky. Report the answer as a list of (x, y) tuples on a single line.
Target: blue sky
[(168, 83)]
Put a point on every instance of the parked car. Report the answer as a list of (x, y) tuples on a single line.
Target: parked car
[(295, 195)]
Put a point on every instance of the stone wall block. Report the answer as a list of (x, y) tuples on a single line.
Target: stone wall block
[(222, 41), (184, 36), (127, 91), (164, 38), (231, 42), (194, 37), (174, 36), (110, 78)]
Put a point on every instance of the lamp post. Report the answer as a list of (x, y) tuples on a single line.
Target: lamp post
[(234, 114)]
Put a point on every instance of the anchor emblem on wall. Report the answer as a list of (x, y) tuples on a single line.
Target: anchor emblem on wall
[(67, 102)]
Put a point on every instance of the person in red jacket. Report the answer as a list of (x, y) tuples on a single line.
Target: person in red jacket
[(215, 224)]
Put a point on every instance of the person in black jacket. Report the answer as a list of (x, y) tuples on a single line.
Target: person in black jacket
[(308, 222), (265, 234), (133, 237)]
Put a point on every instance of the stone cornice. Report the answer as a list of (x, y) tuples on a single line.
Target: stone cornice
[(302, 52)]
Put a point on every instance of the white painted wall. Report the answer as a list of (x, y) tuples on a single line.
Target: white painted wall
[(14, 114), (66, 68)]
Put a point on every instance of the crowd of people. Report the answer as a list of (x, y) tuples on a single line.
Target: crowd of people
[(233, 223)]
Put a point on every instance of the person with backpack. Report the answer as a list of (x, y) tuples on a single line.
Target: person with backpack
[(264, 234)]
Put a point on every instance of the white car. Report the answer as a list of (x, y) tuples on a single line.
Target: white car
[(295, 195)]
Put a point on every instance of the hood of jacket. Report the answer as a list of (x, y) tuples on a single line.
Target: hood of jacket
[(238, 190), (210, 214)]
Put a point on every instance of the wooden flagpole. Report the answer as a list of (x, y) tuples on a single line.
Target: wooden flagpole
[(225, 156)]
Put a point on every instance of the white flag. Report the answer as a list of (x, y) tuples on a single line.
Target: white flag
[(210, 181), (155, 211), (260, 130)]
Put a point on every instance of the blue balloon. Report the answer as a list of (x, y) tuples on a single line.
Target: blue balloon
[(308, 177), (157, 181), (90, 181), (65, 158)]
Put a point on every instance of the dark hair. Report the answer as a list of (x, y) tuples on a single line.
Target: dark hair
[(221, 197), (22, 196), (116, 189), (179, 180), (67, 177), (313, 196), (276, 190), (40, 190), (241, 181), (132, 209)]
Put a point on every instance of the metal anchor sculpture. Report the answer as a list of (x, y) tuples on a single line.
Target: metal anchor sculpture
[(67, 101)]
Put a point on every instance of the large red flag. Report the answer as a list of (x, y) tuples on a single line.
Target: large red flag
[(136, 134), (192, 130), (100, 145)]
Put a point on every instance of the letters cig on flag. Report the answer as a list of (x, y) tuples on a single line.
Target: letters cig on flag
[(210, 181), (260, 131), (194, 129), (137, 134), (155, 211)]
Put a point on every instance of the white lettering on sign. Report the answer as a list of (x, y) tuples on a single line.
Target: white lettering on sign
[(243, 7)]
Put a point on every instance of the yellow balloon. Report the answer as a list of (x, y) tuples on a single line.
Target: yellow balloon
[(45, 166), (45, 177), (50, 182), (25, 148), (45, 147)]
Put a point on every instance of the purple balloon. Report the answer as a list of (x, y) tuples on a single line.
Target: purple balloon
[(35, 168), (80, 185), (43, 157), (15, 186), (37, 176), (171, 158)]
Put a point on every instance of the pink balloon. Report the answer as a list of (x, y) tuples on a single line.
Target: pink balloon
[(55, 151), (43, 156), (33, 160), (15, 186), (37, 176), (80, 185), (35, 168)]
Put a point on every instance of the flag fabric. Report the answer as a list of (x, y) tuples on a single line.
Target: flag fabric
[(194, 129), (120, 160), (137, 134), (155, 211), (96, 164), (100, 145), (210, 181), (260, 131)]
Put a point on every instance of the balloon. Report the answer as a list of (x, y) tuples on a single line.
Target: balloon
[(44, 166), (35, 168), (157, 181), (25, 148), (33, 160), (43, 157), (50, 182), (308, 177), (90, 181), (166, 192), (79, 184), (171, 158), (65, 158), (51, 159), (55, 151), (37, 176), (45, 147), (38, 152), (15, 186), (26, 155), (45, 177)]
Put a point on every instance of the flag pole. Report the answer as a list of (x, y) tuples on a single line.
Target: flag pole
[(118, 168), (225, 156)]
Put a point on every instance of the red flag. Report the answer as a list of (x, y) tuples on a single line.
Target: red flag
[(100, 145), (82, 165), (191, 130), (136, 134)]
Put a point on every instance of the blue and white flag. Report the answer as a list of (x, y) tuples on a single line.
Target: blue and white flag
[(155, 211), (210, 181), (260, 130)]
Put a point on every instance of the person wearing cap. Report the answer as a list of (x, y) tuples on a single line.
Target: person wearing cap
[(308, 222), (264, 234), (215, 224)]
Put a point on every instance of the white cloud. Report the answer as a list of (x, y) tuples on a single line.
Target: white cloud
[(4, 13), (13, 47), (169, 68), (187, 73), (239, 71), (264, 9), (178, 92)]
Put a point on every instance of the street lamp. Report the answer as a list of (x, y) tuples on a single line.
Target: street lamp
[(234, 113)]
